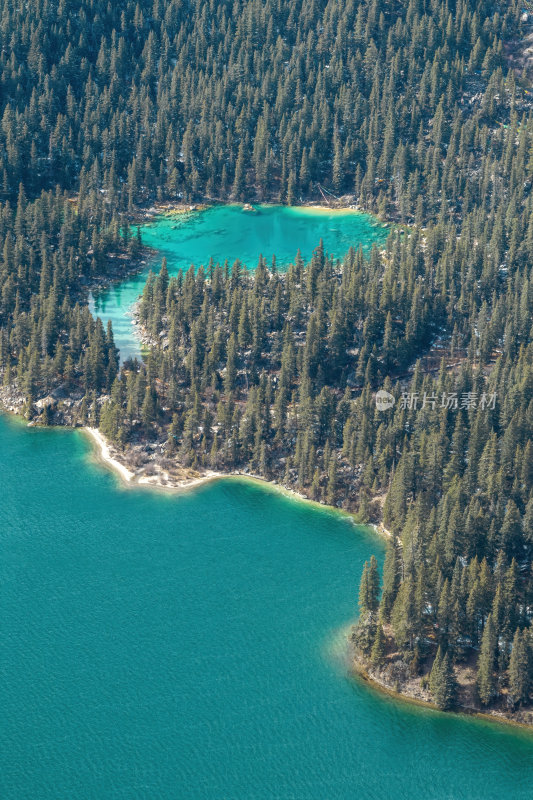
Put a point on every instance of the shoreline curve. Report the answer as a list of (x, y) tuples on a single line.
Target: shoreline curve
[(104, 455), (358, 672)]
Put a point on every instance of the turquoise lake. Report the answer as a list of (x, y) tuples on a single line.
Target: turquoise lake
[(228, 232), (157, 646), (167, 647)]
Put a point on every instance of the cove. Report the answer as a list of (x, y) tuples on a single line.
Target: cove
[(228, 232), (192, 646)]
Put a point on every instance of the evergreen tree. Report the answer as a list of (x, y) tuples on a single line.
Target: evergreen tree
[(519, 669), (442, 681), (486, 682)]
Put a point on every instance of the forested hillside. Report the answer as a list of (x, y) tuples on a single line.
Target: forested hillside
[(152, 99), (412, 111)]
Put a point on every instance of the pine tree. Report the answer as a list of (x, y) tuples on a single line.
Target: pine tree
[(369, 586), (148, 410), (331, 491), (403, 615), (442, 681), (364, 590), (391, 578), (486, 682), (519, 669), (373, 584), (457, 476)]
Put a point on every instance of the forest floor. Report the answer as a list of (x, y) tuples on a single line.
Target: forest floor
[(519, 54)]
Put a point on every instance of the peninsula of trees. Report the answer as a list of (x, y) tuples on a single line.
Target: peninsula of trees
[(413, 111)]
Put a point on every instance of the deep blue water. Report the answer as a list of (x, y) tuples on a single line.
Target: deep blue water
[(193, 646)]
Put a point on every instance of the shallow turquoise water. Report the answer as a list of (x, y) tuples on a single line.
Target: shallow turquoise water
[(228, 232), (167, 647)]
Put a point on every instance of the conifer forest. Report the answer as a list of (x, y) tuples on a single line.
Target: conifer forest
[(421, 112)]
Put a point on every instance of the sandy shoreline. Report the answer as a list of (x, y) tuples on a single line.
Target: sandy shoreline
[(108, 456), (105, 455), (181, 479), (381, 530), (174, 209)]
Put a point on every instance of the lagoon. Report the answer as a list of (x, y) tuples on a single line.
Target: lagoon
[(227, 232), (194, 646)]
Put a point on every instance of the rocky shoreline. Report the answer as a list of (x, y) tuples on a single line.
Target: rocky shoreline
[(395, 680), (11, 399)]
